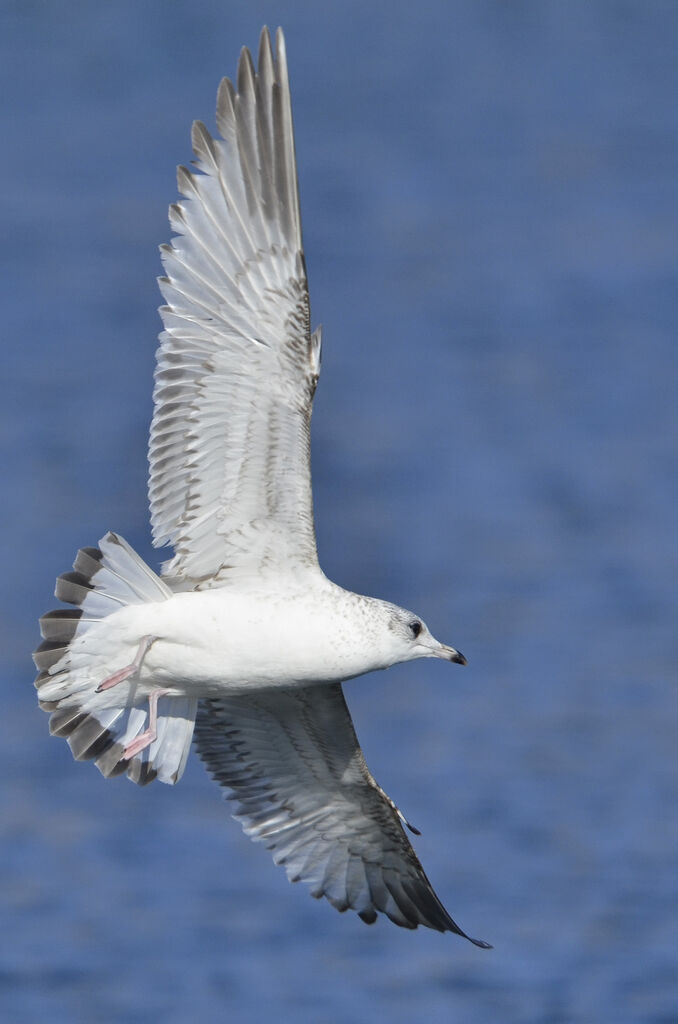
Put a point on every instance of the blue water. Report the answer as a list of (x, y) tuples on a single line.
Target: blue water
[(490, 201)]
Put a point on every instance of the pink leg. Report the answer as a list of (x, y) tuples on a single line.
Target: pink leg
[(146, 738), (129, 670)]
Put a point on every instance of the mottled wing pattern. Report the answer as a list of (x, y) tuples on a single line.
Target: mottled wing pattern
[(296, 771), (237, 365)]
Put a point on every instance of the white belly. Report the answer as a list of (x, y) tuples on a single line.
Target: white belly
[(211, 641)]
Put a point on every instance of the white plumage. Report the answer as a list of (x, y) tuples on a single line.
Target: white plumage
[(242, 630)]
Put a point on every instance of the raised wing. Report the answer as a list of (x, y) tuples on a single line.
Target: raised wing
[(292, 760), (237, 365)]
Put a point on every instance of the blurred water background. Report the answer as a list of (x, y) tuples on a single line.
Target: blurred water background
[(490, 201)]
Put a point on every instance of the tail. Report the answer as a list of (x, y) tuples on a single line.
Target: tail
[(79, 650)]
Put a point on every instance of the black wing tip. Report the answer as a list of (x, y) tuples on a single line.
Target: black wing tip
[(370, 916), (452, 926)]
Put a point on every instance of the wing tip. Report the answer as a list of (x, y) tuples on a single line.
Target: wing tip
[(281, 49)]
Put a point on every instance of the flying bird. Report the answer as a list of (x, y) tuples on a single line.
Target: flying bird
[(241, 643)]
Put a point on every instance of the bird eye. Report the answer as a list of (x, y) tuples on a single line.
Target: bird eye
[(416, 628)]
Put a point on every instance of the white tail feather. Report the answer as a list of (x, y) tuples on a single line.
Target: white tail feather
[(82, 646)]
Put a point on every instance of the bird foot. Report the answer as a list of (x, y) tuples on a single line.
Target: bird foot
[(145, 738), (128, 670)]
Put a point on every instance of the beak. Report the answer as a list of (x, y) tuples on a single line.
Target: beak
[(449, 653)]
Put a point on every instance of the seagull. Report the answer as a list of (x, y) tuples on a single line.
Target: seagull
[(241, 643)]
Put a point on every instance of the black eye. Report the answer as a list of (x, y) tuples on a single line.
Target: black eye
[(416, 628)]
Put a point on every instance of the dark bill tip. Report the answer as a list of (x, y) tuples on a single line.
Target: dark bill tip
[(459, 658)]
